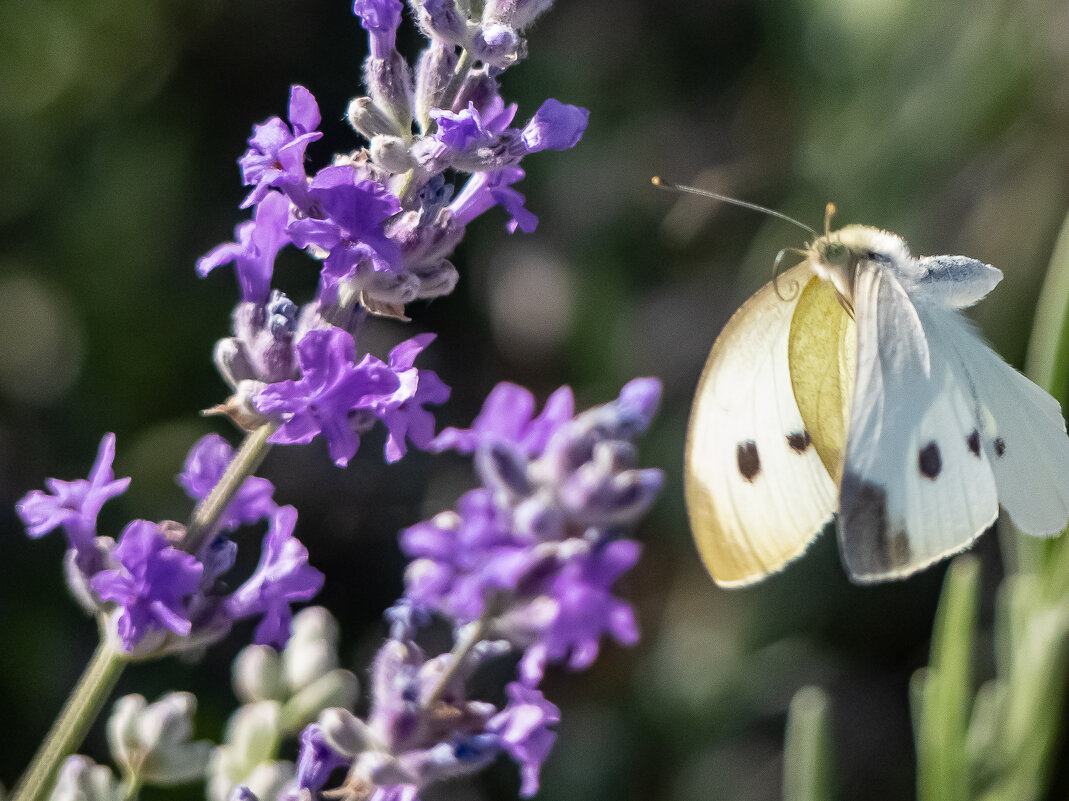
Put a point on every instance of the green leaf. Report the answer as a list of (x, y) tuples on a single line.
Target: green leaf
[(946, 690), (807, 753)]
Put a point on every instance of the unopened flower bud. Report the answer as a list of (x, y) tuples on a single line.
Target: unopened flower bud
[(437, 279), (336, 688), (441, 20), (344, 732), (434, 71), (391, 153), (312, 649), (503, 469), (389, 82), (232, 362), (517, 13), (369, 120), (151, 742), (81, 779), (257, 674), (498, 45)]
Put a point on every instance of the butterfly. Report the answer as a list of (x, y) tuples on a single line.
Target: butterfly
[(862, 392)]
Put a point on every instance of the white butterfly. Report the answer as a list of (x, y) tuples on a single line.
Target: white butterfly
[(866, 392)]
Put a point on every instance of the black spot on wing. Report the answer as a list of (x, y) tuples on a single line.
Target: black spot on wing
[(1000, 446), (974, 443), (799, 441), (870, 545), (749, 461), (929, 461)]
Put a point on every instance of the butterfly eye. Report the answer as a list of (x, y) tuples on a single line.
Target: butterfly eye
[(835, 253)]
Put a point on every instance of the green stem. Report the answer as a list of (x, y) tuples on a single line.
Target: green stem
[(460, 72), (469, 637), (73, 723), (206, 516)]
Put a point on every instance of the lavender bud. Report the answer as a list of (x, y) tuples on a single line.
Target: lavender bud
[(80, 566), (344, 732), (498, 45), (538, 521), (247, 754), (597, 495), (232, 362), (441, 20), (257, 674), (369, 120), (391, 153), (434, 71), (436, 280), (281, 316), (151, 742), (504, 470), (389, 83), (307, 663), (81, 779), (336, 688), (516, 13)]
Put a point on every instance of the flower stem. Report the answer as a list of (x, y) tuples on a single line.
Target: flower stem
[(73, 723), (470, 635), (208, 512), (460, 73)]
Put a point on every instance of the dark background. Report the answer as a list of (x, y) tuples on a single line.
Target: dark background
[(120, 124)]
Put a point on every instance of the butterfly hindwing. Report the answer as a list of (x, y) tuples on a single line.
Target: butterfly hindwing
[(1020, 429), (914, 487), (757, 492)]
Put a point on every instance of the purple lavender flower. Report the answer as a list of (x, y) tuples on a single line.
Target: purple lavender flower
[(523, 726), (350, 227), (381, 19), (402, 412), (555, 126), (317, 759), (581, 611), (507, 416), (258, 242), (275, 157), (282, 577), (75, 504), (484, 190), (330, 387), (151, 585), (205, 465)]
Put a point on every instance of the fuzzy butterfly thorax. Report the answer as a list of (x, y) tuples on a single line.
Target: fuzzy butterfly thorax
[(868, 396)]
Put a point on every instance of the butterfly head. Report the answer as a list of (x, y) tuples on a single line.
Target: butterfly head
[(836, 256)]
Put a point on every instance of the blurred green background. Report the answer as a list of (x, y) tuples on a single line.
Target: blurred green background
[(121, 121)]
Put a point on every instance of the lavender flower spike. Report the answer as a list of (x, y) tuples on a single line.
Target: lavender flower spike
[(74, 504)]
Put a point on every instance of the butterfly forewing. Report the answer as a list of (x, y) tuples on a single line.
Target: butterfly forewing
[(757, 492), (916, 485)]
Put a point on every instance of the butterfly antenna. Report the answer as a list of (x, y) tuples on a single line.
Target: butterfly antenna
[(691, 190), (829, 212), (794, 289)]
